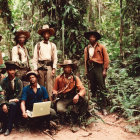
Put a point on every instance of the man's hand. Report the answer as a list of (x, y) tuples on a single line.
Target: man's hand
[(104, 73), (5, 108), (53, 72), (25, 115), (75, 99), (14, 100)]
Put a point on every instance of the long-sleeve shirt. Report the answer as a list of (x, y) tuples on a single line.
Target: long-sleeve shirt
[(62, 84), (15, 55), (100, 56), (1, 60), (46, 52)]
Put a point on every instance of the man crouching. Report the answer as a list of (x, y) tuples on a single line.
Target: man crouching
[(70, 92)]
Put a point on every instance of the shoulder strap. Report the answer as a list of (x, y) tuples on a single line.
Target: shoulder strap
[(38, 49), (52, 52), (18, 52)]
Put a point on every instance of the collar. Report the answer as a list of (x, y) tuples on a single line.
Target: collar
[(45, 43), (38, 86), (20, 46), (90, 46)]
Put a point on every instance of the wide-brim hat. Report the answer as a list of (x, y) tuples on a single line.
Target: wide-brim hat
[(68, 62), (0, 37), (21, 32), (96, 34), (2, 68), (46, 28), (31, 73), (12, 65)]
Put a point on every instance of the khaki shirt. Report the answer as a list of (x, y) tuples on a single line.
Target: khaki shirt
[(15, 56)]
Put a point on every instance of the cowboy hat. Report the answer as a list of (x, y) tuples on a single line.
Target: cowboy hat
[(11, 65), (2, 68), (68, 62), (46, 28), (96, 34), (21, 32), (31, 73)]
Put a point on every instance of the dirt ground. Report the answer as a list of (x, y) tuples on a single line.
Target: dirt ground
[(112, 129)]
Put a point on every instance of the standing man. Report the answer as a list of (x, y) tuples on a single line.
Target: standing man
[(96, 65), (9, 108), (20, 54), (45, 59)]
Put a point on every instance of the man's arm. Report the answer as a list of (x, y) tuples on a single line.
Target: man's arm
[(106, 61), (15, 56), (81, 90), (35, 58), (23, 109)]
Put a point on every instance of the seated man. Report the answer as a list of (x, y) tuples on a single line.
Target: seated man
[(9, 101), (33, 93), (66, 87)]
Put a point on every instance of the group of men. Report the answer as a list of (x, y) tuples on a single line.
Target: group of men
[(22, 87)]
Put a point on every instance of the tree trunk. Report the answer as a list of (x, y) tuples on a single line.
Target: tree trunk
[(121, 30)]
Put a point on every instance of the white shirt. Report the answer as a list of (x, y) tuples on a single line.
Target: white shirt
[(45, 53), (91, 50), (15, 56)]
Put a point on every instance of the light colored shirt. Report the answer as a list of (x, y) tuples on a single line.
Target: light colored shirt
[(45, 53), (15, 55)]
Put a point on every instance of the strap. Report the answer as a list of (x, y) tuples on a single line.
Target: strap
[(19, 54), (38, 49), (52, 52)]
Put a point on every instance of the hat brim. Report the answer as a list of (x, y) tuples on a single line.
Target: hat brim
[(72, 65), (31, 73), (96, 34), (50, 30), (27, 34), (11, 65)]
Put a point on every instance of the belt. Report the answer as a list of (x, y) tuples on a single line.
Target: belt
[(45, 62)]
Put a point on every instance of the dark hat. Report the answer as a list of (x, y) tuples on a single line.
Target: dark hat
[(96, 34), (11, 65), (46, 28), (68, 62), (31, 73), (0, 37), (2, 68), (21, 32)]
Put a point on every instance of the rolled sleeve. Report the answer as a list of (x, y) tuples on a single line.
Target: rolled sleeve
[(24, 94), (35, 58), (54, 56)]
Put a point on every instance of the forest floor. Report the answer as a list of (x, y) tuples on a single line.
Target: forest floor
[(111, 129)]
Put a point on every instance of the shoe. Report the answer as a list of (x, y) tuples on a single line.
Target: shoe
[(7, 132), (2, 131)]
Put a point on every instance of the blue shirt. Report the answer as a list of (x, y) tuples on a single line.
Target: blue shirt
[(30, 97)]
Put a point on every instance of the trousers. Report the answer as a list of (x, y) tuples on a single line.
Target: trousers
[(9, 118), (46, 79), (97, 83)]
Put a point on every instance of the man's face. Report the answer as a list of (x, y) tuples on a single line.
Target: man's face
[(11, 72), (46, 36), (92, 39), (21, 39), (67, 69), (32, 79)]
